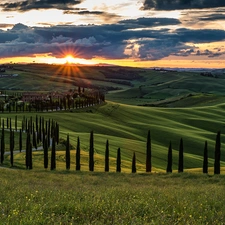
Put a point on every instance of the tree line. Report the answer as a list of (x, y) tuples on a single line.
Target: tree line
[(80, 98), (45, 134)]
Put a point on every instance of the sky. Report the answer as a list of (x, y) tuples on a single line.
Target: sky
[(140, 33)]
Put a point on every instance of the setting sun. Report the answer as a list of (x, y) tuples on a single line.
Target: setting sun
[(69, 59)]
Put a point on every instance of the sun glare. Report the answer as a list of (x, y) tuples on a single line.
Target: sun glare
[(69, 59)]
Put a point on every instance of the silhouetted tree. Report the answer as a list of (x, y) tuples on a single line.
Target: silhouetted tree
[(20, 140), (181, 157), (68, 152), (205, 159), (118, 161), (46, 154), (30, 157), (16, 123), (11, 146), (53, 153), (91, 152), (217, 154), (78, 154), (2, 142), (10, 124), (148, 153), (107, 156), (28, 149), (134, 163), (34, 138), (170, 159)]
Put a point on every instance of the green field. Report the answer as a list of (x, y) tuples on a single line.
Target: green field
[(41, 197), (172, 105)]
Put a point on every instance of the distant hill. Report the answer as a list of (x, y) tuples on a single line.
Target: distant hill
[(164, 87)]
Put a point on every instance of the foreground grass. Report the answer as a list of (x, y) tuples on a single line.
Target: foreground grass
[(40, 197)]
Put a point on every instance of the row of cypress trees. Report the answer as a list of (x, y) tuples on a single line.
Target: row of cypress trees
[(148, 156), (46, 131), (40, 131)]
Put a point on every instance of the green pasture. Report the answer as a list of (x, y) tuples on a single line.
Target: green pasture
[(69, 197), (126, 126)]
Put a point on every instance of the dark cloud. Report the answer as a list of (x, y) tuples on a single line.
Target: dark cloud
[(182, 4), (84, 12), (213, 17), (141, 38), (28, 5), (150, 22)]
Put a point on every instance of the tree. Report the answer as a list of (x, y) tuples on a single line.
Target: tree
[(11, 146), (118, 161), (53, 153), (78, 155), (148, 153), (28, 152), (34, 138), (134, 163), (181, 157), (46, 154), (107, 156), (68, 152), (2, 142), (16, 122), (170, 159), (20, 140), (217, 154), (91, 152), (205, 158), (30, 157)]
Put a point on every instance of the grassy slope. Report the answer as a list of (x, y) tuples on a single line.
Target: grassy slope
[(40, 197), (68, 197), (126, 127)]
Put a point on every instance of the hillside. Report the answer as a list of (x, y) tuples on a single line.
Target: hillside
[(126, 127), (190, 105), (125, 85)]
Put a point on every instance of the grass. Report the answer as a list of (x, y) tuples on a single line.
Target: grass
[(126, 127), (40, 197), (69, 197)]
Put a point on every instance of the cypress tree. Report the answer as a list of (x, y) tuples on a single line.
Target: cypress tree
[(148, 153), (53, 153), (34, 139), (7, 123), (78, 154), (118, 161), (36, 121), (205, 158), (10, 124), (169, 160), (217, 154), (40, 129), (2, 142), (28, 151), (43, 137), (20, 140), (181, 157), (134, 163), (30, 157), (11, 147), (46, 154), (68, 152), (91, 152), (107, 156), (49, 134), (26, 127), (16, 122)]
